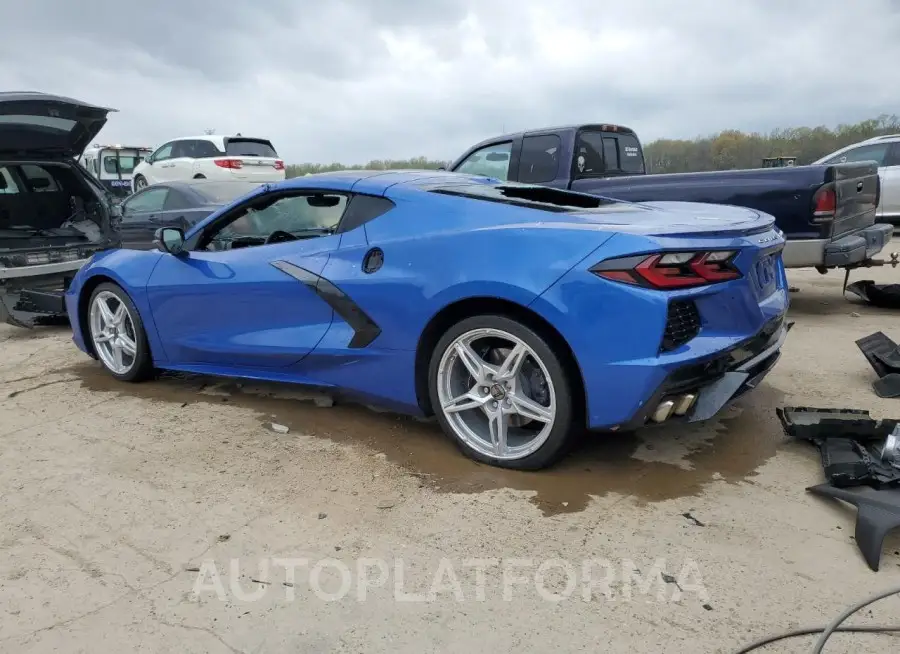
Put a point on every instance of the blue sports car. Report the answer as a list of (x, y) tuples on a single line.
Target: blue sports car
[(519, 315)]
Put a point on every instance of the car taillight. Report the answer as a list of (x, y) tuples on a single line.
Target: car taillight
[(234, 164), (671, 270), (824, 204), (279, 165)]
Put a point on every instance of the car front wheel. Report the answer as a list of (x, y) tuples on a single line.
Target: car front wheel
[(117, 334), (502, 393), (140, 182)]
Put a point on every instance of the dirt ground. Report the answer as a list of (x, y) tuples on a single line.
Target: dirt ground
[(171, 517)]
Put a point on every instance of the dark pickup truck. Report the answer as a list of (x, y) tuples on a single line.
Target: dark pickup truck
[(827, 212)]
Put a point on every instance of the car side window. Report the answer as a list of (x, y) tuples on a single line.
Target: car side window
[(205, 150), (304, 215), (540, 159), (147, 201), (39, 179), (893, 156), (8, 185), (491, 161), (875, 152), (183, 149), (176, 200), (162, 153)]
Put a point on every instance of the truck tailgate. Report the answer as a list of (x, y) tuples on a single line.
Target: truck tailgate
[(857, 192)]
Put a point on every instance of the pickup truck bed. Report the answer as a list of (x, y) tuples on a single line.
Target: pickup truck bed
[(827, 212)]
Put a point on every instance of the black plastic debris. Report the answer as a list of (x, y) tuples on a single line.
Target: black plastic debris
[(885, 296), (883, 355), (861, 460)]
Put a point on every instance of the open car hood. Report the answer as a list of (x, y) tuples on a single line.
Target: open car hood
[(35, 124)]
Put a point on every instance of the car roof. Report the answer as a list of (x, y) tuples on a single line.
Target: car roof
[(511, 136), (375, 181)]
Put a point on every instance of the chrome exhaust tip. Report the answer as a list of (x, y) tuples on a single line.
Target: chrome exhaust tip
[(663, 411), (684, 404)]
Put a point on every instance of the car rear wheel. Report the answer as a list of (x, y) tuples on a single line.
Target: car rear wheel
[(117, 334), (140, 182), (502, 393)]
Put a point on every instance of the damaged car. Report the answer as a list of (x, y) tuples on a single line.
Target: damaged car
[(53, 215)]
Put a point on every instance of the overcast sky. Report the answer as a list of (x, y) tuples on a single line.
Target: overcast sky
[(353, 80)]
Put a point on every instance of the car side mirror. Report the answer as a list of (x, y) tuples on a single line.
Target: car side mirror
[(169, 239)]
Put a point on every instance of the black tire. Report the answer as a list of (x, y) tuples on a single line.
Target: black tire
[(199, 176), (143, 364), (140, 182), (566, 426)]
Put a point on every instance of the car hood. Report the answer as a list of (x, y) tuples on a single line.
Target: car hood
[(35, 124), (679, 218)]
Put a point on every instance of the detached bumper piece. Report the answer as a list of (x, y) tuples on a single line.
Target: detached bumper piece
[(25, 307), (884, 296), (883, 355), (861, 459)]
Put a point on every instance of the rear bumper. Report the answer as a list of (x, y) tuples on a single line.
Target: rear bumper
[(719, 380), (29, 293), (847, 250)]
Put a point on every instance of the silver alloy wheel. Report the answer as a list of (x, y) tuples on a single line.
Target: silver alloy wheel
[(140, 183), (491, 404), (113, 333)]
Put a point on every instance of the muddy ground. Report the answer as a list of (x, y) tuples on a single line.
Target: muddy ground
[(125, 505)]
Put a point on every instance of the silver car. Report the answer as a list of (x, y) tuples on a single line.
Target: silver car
[(885, 150)]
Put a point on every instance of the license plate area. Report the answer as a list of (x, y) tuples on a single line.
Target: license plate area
[(764, 274)]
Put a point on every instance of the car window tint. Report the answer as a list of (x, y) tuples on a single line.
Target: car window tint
[(177, 200), (237, 147), (153, 199), (874, 152), (540, 159), (602, 153), (491, 161), (893, 156), (39, 178), (124, 163), (294, 214), (165, 152), (8, 185), (205, 149)]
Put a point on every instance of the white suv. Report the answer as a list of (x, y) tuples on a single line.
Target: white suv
[(220, 158), (885, 151)]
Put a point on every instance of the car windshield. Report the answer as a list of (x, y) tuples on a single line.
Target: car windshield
[(249, 148), (224, 192)]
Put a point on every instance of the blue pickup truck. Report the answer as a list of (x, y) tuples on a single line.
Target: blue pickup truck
[(827, 212)]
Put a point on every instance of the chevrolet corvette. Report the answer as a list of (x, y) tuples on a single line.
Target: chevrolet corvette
[(519, 316)]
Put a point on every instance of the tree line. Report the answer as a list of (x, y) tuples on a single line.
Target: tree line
[(726, 150)]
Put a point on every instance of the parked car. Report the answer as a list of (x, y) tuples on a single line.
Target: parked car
[(53, 214), (114, 165), (173, 204), (400, 288), (885, 151), (827, 212), (222, 158)]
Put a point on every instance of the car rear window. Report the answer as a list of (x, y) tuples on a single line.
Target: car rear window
[(249, 148), (224, 192), (608, 153), (543, 198), (125, 163)]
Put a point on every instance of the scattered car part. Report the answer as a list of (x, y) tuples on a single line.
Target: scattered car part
[(858, 456), (883, 355), (877, 513), (885, 296)]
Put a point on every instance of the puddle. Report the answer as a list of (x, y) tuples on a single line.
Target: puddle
[(652, 465)]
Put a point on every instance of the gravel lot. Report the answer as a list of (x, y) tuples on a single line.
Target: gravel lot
[(124, 505)]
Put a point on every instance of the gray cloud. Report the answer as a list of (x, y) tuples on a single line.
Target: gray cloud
[(351, 80)]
